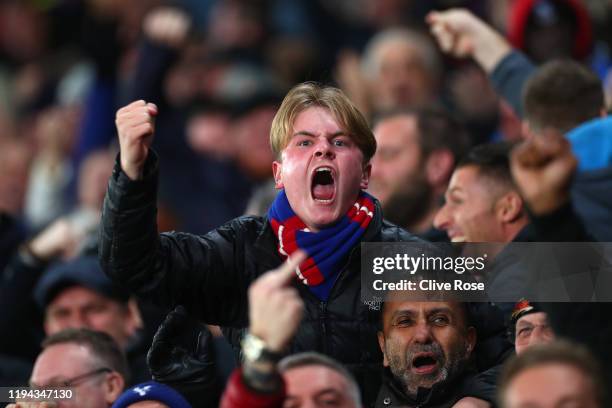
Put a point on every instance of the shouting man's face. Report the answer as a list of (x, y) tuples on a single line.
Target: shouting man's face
[(425, 343), (321, 169)]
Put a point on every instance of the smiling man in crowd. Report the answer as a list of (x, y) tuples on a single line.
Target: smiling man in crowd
[(482, 202), (323, 146)]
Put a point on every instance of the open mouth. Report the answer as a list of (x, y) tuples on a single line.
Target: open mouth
[(458, 238), (323, 185), (424, 364)]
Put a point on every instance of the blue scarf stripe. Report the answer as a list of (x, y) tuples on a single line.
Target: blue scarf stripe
[(328, 248)]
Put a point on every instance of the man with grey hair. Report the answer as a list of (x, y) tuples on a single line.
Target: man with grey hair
[(87, 362), (305, 379), (399, 67), (405, 67)]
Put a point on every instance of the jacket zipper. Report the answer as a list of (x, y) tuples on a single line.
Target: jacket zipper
[(323, 323)]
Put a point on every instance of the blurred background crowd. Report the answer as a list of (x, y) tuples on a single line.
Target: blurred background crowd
[(218, 70)]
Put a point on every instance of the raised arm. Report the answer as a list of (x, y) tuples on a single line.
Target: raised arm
[(463, 35), (204, 273)]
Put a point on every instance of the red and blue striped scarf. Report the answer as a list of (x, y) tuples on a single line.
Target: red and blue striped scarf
[(327, 249)]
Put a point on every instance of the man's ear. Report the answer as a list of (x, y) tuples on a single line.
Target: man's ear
[(113, 387), (277, 170), (47, 327), (439, 166), (134, 316), (365, 176), (381, 344), (471, 338), (509, 207)]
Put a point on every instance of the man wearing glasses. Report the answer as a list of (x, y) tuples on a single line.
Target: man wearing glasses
[(88, 363)]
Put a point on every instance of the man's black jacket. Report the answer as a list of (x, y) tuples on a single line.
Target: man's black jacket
[(439, 396), (210, 274)]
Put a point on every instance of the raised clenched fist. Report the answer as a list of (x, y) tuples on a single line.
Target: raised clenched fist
[(462, 34), (543, 167), (135, 126)]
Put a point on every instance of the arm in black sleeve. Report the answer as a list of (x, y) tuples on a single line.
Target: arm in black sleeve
[(203, 273)]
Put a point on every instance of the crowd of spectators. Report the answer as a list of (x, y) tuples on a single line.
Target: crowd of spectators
[(490, 124)]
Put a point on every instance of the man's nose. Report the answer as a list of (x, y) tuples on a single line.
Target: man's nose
[(323, 149), (377, 168), (422, 333), (78, 320)]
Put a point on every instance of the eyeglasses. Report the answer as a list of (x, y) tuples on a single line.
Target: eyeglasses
[(74, 381)]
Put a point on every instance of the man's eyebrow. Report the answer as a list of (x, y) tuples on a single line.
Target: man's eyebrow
[(307, 133), (446, 310), (328, 391), (403, 312), (54, 379)]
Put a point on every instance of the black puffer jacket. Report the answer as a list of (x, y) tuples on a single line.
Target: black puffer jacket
[(210, 274)]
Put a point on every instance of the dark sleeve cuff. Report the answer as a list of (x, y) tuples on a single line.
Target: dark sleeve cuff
[(126, 193)]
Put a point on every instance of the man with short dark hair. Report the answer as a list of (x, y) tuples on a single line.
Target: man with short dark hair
[(482, 202), (89, 363), (417, 151), (552, 375), (561, 95)]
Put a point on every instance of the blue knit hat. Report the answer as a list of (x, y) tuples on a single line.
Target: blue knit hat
[(151, 391)]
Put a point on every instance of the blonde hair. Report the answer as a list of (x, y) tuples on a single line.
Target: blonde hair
[(310, 94)]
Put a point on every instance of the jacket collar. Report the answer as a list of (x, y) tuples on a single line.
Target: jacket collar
[(440, 395)]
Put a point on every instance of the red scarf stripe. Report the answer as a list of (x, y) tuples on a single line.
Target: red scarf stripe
[(331, 249), (311, 272)]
